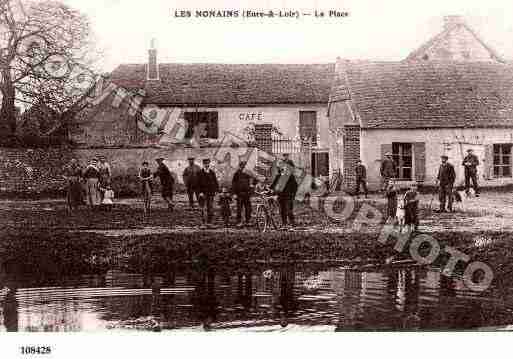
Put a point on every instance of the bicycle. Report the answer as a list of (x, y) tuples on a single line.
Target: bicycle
[(266, 212)]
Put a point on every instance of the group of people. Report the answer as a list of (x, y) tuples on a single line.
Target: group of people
[(91, 184), (202, 186), (445, 182)]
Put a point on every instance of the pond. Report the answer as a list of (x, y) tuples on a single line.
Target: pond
[(299, 297)]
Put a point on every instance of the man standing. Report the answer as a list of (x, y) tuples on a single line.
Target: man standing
[(285, 185), (241, 187), (167, 181), (446, 177), (208, 187), (470, 163), (388, 170), (361, 178), (190, 179)]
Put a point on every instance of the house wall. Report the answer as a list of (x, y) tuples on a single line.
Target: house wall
[(106, 126), (435, 140)]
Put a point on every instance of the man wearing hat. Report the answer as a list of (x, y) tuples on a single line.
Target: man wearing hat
[(167, 181), (445, 178), (470, 163), (190, 179), (287, 160), (208, 187), (388, 170), (241, 187)]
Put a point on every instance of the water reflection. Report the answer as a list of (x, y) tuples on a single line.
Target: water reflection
[(287, 298)]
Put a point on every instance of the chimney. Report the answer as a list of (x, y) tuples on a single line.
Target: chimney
[(153, 66), (451, 21)]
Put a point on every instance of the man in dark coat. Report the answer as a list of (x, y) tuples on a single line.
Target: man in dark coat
[(167, 181), (242, 188), (361, 178), (446, 177), (285, 185), (208, 187), (388, 170), (190, 179), (470, 163)]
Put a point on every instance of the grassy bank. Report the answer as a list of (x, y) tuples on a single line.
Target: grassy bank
[(60, 252), (40, 237)]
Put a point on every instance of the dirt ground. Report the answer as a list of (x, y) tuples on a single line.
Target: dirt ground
[(493, 211), (41, 235)]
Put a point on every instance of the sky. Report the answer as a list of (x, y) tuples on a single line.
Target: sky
[(374, 29)]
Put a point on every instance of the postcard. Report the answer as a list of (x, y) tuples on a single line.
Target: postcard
[(196, 168)]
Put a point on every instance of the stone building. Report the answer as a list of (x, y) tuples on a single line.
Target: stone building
[(276, 107), (451, 94)]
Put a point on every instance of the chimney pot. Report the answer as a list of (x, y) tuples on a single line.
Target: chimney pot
[(153, 66)]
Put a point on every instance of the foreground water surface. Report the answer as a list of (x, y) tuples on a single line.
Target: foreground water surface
[(277, 299)]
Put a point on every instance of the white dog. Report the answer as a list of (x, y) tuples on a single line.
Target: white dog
[(400, 214)]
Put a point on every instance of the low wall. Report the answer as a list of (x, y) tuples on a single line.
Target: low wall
[(33, 171)]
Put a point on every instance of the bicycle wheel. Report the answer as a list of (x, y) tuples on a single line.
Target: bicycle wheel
[(261, 218)]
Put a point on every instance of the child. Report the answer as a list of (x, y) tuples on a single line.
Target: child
[(261, 189), (391, 195), (108, 197), (225, 199), (411, 208)]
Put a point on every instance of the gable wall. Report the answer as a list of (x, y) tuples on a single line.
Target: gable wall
[(457, 45)]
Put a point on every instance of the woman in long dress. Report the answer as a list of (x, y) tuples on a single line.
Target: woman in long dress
[(92, 177), (73, 174)]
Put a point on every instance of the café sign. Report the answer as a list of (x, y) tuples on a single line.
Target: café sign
[(251, 116)]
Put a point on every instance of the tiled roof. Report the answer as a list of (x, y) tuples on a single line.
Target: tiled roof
[(224, 84), (424, 94)]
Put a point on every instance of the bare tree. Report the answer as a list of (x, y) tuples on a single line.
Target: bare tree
[(47, 55)]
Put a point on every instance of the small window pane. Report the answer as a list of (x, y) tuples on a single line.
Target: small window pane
[(407, 173), (506, 149), (496, 171), (505, 160), (506, 171), (496, 160)]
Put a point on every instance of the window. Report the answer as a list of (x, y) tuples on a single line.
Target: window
[(204, 122), (403, 157), (320, 164), (308, 127), (502, 160)]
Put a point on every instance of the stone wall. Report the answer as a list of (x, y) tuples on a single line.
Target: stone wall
[(32, 170)]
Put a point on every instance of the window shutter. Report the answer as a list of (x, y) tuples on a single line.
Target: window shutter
[(419, 156), (488, 162), (214, 128)]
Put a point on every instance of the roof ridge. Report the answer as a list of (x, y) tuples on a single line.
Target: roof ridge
[(235, 64)]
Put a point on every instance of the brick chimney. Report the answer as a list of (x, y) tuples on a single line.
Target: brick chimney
[(451, 21), (153, 66)]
